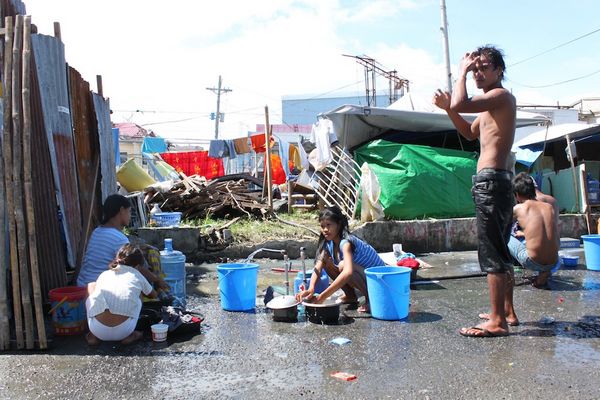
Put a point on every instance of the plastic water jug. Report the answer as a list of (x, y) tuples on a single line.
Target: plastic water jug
[(321, 285), (173, 265)]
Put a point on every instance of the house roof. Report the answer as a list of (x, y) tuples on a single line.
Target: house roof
[(132, 130), (558, 132)]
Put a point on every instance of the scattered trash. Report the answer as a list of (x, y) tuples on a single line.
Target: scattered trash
[(561, 300), (546, 320), (340, 341), (510, 364), (345, 376)]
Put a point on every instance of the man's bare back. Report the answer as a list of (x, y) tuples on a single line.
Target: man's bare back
[(539, 222)]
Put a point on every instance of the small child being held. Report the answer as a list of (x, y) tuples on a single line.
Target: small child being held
[(344, 257)]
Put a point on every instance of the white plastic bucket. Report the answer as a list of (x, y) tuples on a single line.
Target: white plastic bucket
[(159, 332)]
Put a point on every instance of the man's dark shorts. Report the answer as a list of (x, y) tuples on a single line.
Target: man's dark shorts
[(493, 197)]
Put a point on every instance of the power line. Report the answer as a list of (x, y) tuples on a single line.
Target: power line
[(555, 47), (556, 83)]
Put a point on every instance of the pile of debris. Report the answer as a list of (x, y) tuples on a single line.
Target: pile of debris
[(225, 197)]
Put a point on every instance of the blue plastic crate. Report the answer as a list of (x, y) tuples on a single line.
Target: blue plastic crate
[(569, 243), (166, 219)]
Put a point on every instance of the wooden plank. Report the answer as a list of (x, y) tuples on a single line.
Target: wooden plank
[(18, 184), (8, 179), (28, 186), (4, 250)]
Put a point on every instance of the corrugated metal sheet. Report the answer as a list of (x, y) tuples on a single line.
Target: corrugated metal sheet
[(12, 7), (51, 71), (107, 156), (87, 154), (50, 248)]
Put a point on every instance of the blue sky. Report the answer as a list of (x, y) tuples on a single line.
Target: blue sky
[(160, 60)]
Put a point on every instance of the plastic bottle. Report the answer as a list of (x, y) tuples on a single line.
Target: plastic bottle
[(173, 265)]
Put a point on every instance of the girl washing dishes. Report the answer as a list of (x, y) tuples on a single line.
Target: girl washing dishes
[(344, 258)]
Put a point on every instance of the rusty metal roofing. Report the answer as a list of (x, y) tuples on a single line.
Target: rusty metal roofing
[(107, 152), (51, 253), (87, 155), (51, 72)]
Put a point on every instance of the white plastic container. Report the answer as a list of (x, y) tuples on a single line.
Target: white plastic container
[(159, 332)]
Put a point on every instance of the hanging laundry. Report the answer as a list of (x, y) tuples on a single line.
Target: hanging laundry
[(154, 145), (321, 136), (195, 163), (231, 149), (278, 175), (218, 149), (258, 142), (295, 156), (241, 145), (284, 153), (303, 156)]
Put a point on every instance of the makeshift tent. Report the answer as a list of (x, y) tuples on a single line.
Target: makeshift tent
[(420, 181), (355, 125)]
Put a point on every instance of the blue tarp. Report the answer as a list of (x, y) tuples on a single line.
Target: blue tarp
[(115, 132), (154, 145)]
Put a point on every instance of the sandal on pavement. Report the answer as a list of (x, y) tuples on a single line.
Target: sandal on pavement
[(476, 331), (486, 316)]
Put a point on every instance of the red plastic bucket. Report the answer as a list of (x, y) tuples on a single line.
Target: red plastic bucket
[(68, 310)]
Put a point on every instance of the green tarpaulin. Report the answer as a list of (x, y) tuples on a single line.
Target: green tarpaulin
[(420, 181)]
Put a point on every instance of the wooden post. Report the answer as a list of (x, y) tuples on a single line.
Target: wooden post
[(290, 184), (57, 33), (269, 180), (4, 323), (573, 173), (8, 180), (18, 183), (99, 85), (27, 182)]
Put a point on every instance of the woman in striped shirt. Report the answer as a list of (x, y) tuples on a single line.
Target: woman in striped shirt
[(344, 257)]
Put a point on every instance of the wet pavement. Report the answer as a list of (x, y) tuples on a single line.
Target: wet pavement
[(249, 356)]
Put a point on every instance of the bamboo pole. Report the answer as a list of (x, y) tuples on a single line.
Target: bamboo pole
[(4, 322), (27, 182), (17, 145), (8, 180), (269, 180)]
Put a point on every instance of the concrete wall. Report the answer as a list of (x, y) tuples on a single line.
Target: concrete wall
[(418, 236), (444, 234)]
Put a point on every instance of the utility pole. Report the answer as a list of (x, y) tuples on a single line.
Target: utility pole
[(444, 29), (396, 84), (218, 116)]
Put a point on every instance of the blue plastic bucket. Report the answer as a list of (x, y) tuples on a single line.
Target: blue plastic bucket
[(237, 286), (389, 292), (591, 248)]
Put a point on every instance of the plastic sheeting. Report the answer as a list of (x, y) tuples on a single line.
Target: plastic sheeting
[(420, 181)]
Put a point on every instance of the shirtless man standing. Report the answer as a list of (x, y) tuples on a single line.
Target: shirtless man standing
[(492, 189)]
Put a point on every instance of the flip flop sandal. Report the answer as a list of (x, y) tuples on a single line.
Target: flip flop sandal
[(488, 318), (479, 332)]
